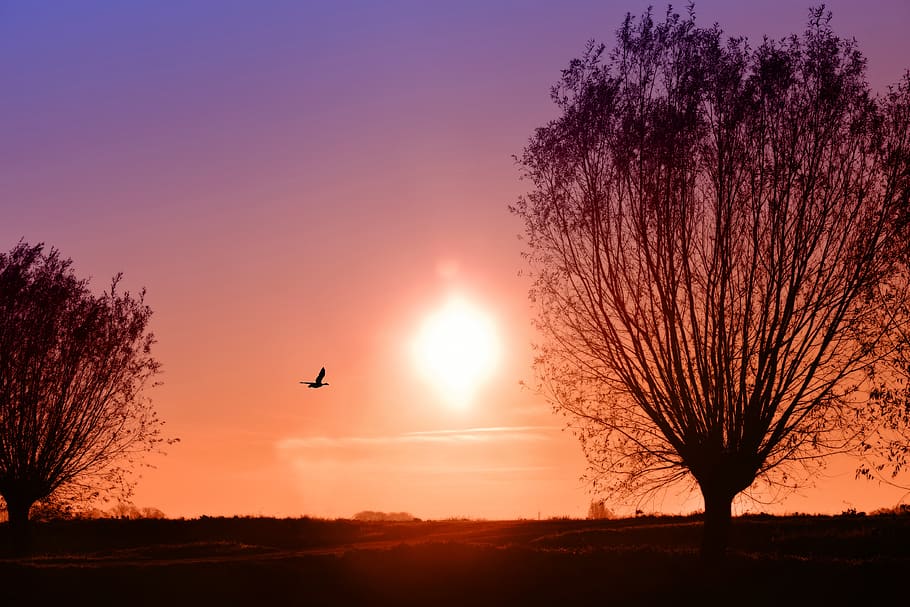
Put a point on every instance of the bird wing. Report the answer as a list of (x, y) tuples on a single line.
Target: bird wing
[(320, 376)]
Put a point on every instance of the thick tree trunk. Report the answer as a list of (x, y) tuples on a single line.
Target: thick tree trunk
[(19, 527), (718, 518)]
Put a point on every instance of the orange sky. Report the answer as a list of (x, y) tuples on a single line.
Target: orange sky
[(301, 185)]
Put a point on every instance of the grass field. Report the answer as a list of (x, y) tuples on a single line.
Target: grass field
[(798, 560)]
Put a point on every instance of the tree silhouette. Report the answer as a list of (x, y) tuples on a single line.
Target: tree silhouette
[(713, 232), (598, 510), (886, 449), (72, 369)]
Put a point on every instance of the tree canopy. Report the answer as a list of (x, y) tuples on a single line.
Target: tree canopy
[(715, 235), (73, 366)]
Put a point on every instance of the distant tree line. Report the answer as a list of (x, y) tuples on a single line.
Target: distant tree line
[(373, 516), (54, 511)]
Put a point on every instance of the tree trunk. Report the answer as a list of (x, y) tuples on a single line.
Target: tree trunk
[(19, 527), (716, 534)]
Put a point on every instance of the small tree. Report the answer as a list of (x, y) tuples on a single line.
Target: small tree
[(598, 510), (715, 232), (72, 369)]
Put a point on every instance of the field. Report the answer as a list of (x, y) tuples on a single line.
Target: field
[(798, 560)]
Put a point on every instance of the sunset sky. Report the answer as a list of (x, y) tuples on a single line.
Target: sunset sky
[(306, 184)]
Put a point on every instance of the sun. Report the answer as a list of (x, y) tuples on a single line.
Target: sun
[(457, 349)]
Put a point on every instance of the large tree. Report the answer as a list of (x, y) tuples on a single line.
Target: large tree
[(713, 232), (73, 365)]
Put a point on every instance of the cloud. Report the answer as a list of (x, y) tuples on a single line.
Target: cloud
[(450, 436)]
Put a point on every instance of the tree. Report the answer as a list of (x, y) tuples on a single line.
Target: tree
[(598, 510), (72, 369), (886, 449), (713, 234)]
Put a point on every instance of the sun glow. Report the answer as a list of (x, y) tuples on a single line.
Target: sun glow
[(457, 349)]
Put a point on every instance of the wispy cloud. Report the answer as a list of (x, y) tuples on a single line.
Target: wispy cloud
[(488, 429), (465, 435)]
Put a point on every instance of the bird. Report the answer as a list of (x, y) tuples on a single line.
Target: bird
[(318, 383)]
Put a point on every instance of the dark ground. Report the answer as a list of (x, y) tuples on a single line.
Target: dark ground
[(801, 560)]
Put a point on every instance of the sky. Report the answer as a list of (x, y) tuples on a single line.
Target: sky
[(306, 184)]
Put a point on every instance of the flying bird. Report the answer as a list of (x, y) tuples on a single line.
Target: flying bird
[(318, 383)]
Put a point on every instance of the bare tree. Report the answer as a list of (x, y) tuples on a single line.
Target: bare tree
[(72, 369), (712, 233), (886, 447)]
